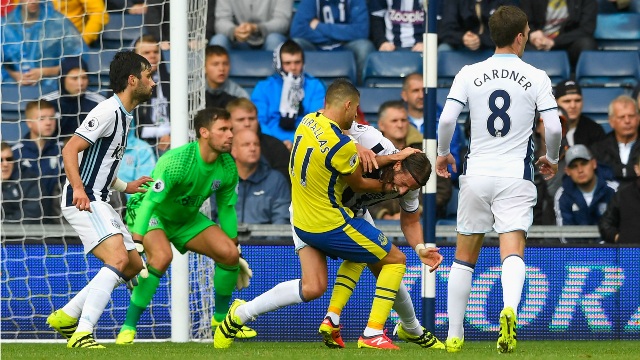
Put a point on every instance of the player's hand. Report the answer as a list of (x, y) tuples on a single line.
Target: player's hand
[(81, 200), (547, 169), (404, 153), (442, 168), (387, 46), (245, 274), (431, 257), (367, 158), (135, 186)]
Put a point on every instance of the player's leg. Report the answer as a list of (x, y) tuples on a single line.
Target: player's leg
[(214, 243), (159, 255), (513, 211), (391, 271), (474, 220), (312, 285)]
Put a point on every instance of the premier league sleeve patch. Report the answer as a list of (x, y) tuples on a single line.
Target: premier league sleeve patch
[(91, 124), (158, 186)]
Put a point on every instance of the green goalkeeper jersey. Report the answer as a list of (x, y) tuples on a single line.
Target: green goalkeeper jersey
[(183, 181)]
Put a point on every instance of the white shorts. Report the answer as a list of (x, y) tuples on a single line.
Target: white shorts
[(299, 244), (486, 202), (96, 226)]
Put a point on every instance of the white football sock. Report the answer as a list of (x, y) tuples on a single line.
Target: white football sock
[(512, 277), (458, 290), (335, 318), (284, 294), (98, 296), (74, 306), (404, 307)]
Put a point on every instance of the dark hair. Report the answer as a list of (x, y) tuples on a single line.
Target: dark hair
[(126, 63), (204, 118), (38, 104), (341, 90), (291, 47), (419, 166), (505, 24), (4, 146), (391, 104), (215, 50)]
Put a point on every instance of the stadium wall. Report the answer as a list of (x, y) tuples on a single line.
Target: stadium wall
[(570, 293)]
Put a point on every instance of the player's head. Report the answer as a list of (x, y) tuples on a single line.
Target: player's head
[(129, 69), (413, 92), (216, 65), (243, 114), (581, 166), (409, 174), (73, 76), (509, 28), (148, 46), (288, 58), (393, 121), (246, 148), (341, 102), (7, 161), (41, 119), (569, 97), (213, 126)]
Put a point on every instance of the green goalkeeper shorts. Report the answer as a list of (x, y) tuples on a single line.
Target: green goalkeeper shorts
[(179, 234)]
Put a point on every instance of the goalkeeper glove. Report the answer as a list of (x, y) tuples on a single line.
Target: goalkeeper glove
[(140, 248), (133, 282), (245, 274)]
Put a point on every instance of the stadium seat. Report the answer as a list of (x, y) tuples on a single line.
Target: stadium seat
[(13, 131), (98, 64), (554, 63), (249, 67), (450, 62), (122, 30), (15, 99), (372, 98), (596, 101), (619, 31), (330, 65), (608, 68), (387, 69)]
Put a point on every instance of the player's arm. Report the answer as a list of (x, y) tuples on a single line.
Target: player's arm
[(226, 199), (70, 152), (412, 230), (446, 129), (384, 160)]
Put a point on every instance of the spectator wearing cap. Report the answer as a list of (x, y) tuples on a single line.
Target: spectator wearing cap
[(620, 224), (73, 101), (580, 129), (620, 147), (585, 191)]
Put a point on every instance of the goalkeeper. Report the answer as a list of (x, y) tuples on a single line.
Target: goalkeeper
[(184, 178)]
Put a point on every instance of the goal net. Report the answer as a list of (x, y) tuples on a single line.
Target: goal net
[(43, 264)]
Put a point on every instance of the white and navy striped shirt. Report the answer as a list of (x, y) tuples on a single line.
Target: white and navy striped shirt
[(404, 20), (371, 138), (105, 128)]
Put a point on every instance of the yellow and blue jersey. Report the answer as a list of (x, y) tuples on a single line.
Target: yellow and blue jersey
[(321, 154)]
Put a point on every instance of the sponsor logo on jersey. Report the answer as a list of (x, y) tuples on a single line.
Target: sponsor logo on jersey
[(91, 124), (382, 239), (191, 201), (158, 186), (216, 185), (406, 17), (118, 152)]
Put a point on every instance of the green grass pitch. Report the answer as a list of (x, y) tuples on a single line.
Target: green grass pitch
[(561, 350)]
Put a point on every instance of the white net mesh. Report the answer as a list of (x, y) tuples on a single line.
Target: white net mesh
[(43, 265)]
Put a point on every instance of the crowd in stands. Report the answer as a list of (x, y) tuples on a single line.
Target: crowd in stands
[(45, 44)]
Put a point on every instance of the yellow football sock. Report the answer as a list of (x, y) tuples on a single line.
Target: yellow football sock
[(346, 280), (386, 289)]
